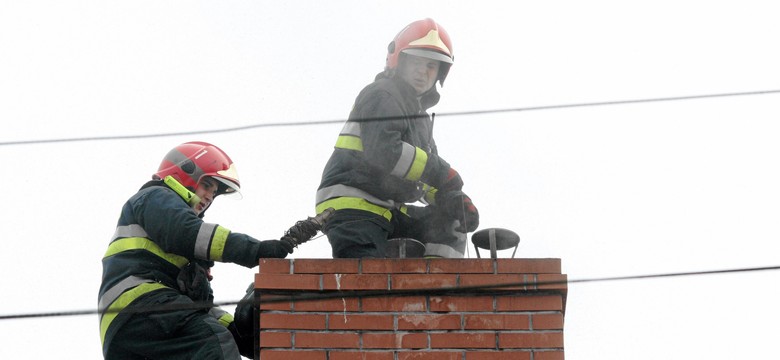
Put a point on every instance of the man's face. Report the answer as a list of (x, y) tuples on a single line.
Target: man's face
[(206, 191), (419, 72)]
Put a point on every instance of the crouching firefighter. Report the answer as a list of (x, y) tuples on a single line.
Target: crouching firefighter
[(155, 296), (385, 159)]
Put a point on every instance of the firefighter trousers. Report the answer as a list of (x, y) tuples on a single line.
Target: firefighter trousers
[(355, 233), (177, 334)]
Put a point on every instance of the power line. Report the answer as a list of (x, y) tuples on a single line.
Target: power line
[(340, 121), (329, 294)]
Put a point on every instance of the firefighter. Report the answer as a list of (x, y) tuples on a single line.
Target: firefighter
[(161, 255), (385, 159)]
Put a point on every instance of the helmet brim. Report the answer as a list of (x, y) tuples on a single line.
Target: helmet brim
[(428, 54), (229, 188)]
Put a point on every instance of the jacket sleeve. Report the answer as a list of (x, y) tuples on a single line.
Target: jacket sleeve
[(384, 149), (171, 224)]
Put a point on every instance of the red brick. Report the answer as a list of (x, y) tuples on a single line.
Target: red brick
[(338, 304), (287, 282), (547, 321), (536, 340), (498, 355), (329, 340), (354, 282), (292, 354), (551, 282), (516, 323), (430, 355), (422, 281), (463, 340), (497, 322), (360, 355), (461, 303), (273, 266), (518, 281), (326, 266), (396, 340), (360, 322), (394, 304), (529, 302), (461, 266), (292, 321), (548, 355), (275, 339), (393, 266), (529, 266), (429, 322)]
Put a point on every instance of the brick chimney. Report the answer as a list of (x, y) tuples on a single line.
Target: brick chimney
[(423, 319)]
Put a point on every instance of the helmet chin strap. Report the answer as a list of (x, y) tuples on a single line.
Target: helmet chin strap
[(185, 193)]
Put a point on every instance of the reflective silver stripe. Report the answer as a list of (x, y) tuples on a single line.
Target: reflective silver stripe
[(442, 250), (178, 158), (351, 128), (132, 230), (115, 291), (344, 190), (203, 242), (405, 161), (451, 247)]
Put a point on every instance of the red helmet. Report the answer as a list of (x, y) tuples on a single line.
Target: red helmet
[(188, 163), (424, 38)]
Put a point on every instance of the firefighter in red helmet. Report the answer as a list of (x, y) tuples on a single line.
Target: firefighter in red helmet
[(161, 255), (385, 159)]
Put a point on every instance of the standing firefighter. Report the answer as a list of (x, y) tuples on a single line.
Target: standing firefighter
[(385, 159), (155, 297)]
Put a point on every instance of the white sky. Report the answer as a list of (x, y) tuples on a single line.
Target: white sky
[(612, 191)]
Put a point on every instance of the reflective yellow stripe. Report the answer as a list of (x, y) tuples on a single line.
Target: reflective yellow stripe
[(222, 316), (349, 143), (420, 159), (218, 243), (121, 302), (430, 194), (137, 243), (225, 319), (210, 242), (354, 203)]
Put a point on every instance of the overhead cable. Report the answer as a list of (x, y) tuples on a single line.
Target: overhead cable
[(329, 294), (340, 121)]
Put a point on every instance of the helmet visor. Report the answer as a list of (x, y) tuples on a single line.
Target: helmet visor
[(429, 54), (228, 188)]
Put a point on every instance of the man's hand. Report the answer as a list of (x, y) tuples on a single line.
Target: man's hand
[(452, 182), (277, 248), (459, 205), (287, 244)]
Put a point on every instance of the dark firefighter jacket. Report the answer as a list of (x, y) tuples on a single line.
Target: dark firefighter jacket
[(385, 155), (158, 234)]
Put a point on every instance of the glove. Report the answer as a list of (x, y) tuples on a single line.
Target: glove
[(276, 248), (459, 205), (193, 281), (452, 182), (287, 244)]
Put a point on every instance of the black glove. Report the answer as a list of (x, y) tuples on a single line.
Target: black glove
[(276, 248), (459, 205), (287, 244), (193, 281), (452, 182)]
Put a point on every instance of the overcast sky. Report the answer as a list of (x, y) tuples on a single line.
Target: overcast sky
[(613, 190)]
